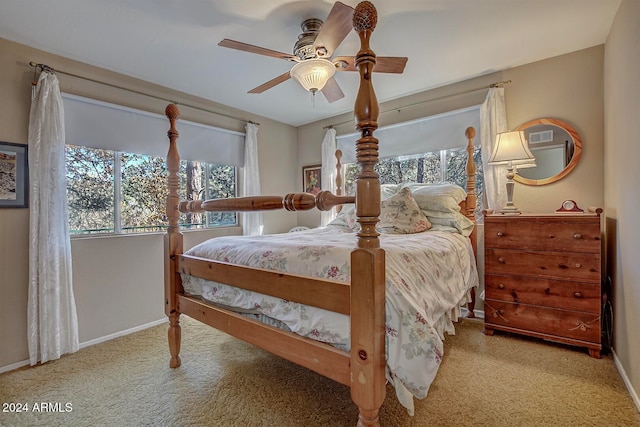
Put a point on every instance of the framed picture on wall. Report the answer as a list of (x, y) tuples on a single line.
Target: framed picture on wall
[(311, 179), (14, 175)]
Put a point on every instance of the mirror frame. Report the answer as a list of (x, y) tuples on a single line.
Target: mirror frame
[(577, 151)]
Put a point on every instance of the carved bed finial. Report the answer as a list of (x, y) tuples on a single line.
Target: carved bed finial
[(470, 133), (172, 111), (365, 16)]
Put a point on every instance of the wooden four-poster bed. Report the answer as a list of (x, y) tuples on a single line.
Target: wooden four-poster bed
[(356, 295)]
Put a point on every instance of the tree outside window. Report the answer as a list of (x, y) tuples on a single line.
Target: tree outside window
[(112, 192)]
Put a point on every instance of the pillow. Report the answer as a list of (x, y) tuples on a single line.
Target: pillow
[(442, 189), (452, 219), (388, 190), (437, 197), (400, 214), (346, 218)]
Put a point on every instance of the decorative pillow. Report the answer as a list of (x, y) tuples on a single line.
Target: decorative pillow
[(437, 197), (400, 214)]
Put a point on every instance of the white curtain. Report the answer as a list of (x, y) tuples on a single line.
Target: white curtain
[(329, 172), (251, 221), (52, 319), (493, 120)]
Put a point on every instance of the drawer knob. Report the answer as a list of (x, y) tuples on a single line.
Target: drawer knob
[(578, 265), (500, 286), (577, 295), (500, 234), (501, 260), (577, 236)]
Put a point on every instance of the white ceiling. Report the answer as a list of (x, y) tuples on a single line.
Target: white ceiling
[(174, 43)]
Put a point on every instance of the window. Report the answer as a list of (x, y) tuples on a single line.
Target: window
[(433, 167), (112, 190), (116, 192)]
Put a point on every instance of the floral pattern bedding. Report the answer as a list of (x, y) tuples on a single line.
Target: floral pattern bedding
[(429, 275)]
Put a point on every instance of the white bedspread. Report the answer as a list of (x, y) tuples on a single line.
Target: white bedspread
[(429, 276)]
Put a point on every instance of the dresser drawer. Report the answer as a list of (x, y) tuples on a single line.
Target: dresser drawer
[(564, 294), (550, 321), (559, 265), (549, 234)]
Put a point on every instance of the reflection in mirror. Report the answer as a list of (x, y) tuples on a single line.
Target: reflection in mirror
[(555, 145)]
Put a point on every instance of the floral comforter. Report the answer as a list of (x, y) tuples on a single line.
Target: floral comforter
[(429, 276)]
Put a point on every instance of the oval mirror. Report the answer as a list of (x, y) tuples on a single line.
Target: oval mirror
[(555, 145)]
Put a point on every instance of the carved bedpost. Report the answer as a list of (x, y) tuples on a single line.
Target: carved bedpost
[(368, 259), (338, 177), (470, 205), (173, 241)]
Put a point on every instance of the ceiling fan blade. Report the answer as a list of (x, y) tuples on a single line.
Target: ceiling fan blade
[(384, 64), (390, 64), (332, 91), (335, 28), (271, 83), (232, 44)]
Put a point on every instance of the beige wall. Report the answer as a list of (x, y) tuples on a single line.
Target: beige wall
[(108, 268), (622, 179)]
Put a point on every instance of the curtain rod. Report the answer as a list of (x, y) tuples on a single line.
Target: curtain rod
[(44, 67), (492, 85)]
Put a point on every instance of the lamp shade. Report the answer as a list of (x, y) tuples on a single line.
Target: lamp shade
[(313, 74), (511, 149)]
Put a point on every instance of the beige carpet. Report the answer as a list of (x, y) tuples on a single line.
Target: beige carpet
[(483, 381)]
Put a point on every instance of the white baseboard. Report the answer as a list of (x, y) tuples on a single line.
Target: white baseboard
[(13, 366), (123, 333), (20, 364), (479, 313), (627, 382)]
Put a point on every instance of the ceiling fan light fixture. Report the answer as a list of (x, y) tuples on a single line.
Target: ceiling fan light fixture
[(313, 74)]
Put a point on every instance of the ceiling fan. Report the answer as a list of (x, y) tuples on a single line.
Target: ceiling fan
[(312, 53)]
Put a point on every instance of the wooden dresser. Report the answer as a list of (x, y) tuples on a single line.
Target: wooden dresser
[(543, 277)]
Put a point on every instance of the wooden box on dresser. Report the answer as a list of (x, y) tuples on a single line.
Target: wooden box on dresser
[(543, 276)]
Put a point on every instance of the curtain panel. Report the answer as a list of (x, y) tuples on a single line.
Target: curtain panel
[(52, 318), (251, 221), (493, 119)]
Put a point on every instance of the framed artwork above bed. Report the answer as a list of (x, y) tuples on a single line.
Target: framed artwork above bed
[(14, 175), (312, 179)]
